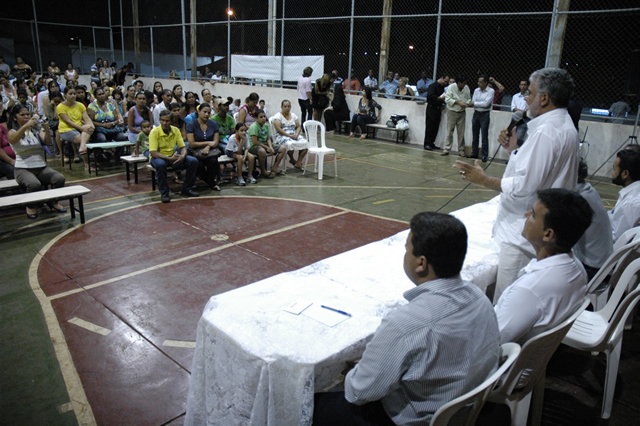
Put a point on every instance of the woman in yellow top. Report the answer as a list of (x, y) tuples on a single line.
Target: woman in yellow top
[(75, 125)]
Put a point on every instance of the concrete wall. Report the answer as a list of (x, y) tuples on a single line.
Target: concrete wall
[(603, 139)]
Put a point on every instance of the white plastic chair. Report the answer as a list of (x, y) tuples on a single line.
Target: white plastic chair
[(629, 235), (601, 331), (522, 396), (319, 149), (476, 397), (623, 255)]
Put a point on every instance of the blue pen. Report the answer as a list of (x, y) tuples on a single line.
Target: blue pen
[(336, 310)]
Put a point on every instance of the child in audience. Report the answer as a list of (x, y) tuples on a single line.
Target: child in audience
[(263, 107), (238, 148), (142, 143), (233, 108), (261, 145)]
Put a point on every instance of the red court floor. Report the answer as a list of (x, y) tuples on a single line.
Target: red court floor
[(127, 289)]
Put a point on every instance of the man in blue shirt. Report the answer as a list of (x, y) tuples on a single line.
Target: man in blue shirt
[(389, 86), (423, 85)]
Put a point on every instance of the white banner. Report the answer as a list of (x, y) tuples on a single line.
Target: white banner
[(268, 67)]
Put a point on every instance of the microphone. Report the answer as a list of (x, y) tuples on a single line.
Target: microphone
[(516, 119)]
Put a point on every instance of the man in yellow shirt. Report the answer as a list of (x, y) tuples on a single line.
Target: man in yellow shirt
[(163, 141)]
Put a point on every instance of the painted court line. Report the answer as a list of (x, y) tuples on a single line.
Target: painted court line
[(89, 326), (179, 344), (383, 201), (194, 256)]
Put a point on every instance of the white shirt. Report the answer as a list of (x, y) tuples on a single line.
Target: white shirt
[(453, 94), (596, 245), (547, 292), (518, 101), (156, 113), (40, 101), (482, 101), (370, 82), (548, 159), (626, 212)]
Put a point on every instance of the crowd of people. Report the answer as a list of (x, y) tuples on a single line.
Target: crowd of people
[(552, 230)]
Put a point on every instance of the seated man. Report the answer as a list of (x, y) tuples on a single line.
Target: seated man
[(554, 284), (163, 141), (441, 344), (626, 173)]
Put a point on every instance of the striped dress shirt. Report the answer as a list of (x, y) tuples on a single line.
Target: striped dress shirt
[(443, 343)]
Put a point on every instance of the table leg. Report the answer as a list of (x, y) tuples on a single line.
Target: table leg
[(81, 208), (135, 171), (126, 165), (72, 208)]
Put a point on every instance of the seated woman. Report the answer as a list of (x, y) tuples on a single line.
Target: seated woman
[(203, 135), (75, 125), (7, 155), (320, 95), (137, 114), (116, 100), (177, 95), (70, 75), (338, 111), (247, 112), (82, 96), (107, 121), (31, 170), (190, 107), (157, 92), (106, 72), (404, 90), (52, 117), (238, 148), (365, 114), (287, 134)]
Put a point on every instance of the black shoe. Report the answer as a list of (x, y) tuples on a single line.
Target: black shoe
[(166, 199), (473, 156), (190, 193), (484, 159), (428, 148), (434, 147)]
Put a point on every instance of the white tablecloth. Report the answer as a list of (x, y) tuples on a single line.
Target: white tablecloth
[(256, 364)]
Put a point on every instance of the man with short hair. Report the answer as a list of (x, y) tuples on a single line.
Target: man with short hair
[(554, 284), (225, 121), (519, 103), (435, 102), (626, 173), (139, 85), (549, 159), (353, 86), (457, 98), (596, 245), (95, 71), (163, 141), (481, 103), (216, 77), (371, 81), (423, 85), (441, 344), (337, 80), (167, 96), (389, 86)]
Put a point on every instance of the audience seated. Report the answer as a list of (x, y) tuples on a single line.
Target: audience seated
[(553, 284), (261, 145), (238, 149), (225, 121), (596, 245), (288, 131), (441, 344), (626, 173), (7, 155)]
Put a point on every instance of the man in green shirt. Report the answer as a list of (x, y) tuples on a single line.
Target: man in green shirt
[(163, 141), (225, 121)]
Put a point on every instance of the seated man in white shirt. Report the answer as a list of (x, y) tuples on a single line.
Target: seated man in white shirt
[(626, 173), (441, 344), (553, 285)]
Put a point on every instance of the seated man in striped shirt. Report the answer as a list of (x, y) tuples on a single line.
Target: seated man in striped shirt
[(441, 344)]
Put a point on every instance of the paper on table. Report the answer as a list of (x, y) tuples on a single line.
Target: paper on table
[(325, 316), (297, 307)]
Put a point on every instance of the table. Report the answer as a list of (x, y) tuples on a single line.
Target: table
[(255, 364), (104, 145)]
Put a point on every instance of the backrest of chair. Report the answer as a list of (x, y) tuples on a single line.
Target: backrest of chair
[(476, 397), (609, 265), (615, 311), (629, 235), (535, 355), (311, 130), (235, 116), (272, 127)]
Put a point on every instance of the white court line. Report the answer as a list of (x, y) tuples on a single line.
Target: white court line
[(179, 344), (89, 326), (194, 256)]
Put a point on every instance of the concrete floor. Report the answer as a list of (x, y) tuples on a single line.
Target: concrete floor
[(102, 273)]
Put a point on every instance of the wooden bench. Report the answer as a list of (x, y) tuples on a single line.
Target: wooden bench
[(8, 185), (104, 145), (65, 193), (130, 159), (373, 128), (343, 124), (223, 159)]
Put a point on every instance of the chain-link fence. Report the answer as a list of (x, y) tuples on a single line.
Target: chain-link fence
[(596, 40)]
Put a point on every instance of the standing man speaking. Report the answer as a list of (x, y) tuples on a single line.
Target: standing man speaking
[(549, 159)]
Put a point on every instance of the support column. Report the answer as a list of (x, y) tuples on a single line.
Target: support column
[(556, 36), (384, 40), (194, 40), (136, 34)]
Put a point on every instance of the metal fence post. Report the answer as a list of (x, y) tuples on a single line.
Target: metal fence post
[(35, 20), (353, 5), (435, 55), (153, 62), (228, 40), (384, 40), (122, 31), (282, 48), (184, 42)]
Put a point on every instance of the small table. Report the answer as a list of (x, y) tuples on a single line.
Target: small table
[(104, 145), (256, 364)]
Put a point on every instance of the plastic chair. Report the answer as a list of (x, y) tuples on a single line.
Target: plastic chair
[(601, 331), (623, 255), (475, 398), (522, 389), (629, 235), (320, 150)]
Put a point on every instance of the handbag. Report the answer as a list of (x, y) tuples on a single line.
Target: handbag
[(197, 153), (114, 131), (391, 124)]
